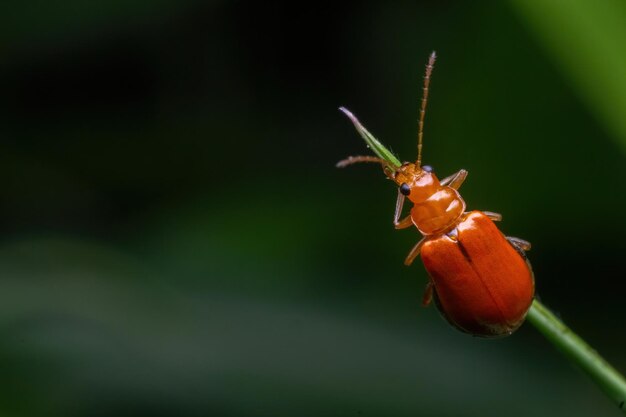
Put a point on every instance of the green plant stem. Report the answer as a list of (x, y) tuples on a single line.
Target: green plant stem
[(571, 345), (378, 148), (567, 342)]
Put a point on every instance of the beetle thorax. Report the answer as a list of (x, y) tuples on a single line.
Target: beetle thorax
[(437, 208)]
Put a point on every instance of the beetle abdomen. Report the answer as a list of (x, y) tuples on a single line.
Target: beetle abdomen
[(483, 285)]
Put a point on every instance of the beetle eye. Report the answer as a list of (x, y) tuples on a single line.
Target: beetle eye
[(427, 168), (405, 189)]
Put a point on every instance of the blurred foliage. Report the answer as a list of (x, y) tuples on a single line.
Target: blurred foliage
[(587, 41), (176, 240)]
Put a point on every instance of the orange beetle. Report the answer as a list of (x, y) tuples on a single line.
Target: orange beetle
[(481, 280)]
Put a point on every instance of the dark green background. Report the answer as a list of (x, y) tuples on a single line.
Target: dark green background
[(175, 239)]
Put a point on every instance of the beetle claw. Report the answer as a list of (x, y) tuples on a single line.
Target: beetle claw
[(428, 294)]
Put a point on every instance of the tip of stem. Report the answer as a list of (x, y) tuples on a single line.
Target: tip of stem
[(348, 113), (371, 141)]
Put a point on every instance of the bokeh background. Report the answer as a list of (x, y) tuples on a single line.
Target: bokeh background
[(175, 239)]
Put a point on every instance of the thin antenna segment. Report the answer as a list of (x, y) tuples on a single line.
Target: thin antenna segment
[(420, 134), (356, 159)]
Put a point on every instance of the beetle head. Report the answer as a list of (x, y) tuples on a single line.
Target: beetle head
[(415, 182)]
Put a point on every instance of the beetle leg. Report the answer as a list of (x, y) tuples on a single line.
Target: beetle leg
[(406, 222), (519, 243), (428, 294), (414, 253), (496, 217), (447, 180), (455, 180)]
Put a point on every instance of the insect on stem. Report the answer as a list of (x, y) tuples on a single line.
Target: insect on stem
[(477, 249), (504, 280), (420, 134)]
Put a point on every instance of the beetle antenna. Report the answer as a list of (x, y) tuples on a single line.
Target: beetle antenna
[(420, 134), (356, 159), (388, 169)]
